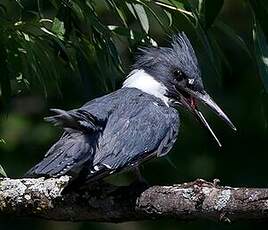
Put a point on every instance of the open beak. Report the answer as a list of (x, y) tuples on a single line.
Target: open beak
[(188, 99)]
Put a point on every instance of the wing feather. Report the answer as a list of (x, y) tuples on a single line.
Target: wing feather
[(65, 156), (130, 137)]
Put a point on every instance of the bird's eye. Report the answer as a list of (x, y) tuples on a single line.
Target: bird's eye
[(179, 75)]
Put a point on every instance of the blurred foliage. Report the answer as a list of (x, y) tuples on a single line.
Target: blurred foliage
[(42, 40), (56, 53)]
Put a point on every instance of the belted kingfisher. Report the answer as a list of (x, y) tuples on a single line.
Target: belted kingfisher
[(134, 124)]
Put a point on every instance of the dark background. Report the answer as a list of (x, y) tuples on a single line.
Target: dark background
[(233, 78)]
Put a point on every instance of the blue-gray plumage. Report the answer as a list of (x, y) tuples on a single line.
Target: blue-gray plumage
[(133, 124), (125, 128)]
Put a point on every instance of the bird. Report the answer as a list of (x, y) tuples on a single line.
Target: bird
[(134, 124)]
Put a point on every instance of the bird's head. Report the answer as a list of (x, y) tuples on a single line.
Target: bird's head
[(175, 69)]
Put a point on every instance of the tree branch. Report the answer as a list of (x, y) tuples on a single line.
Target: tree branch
[(194, 200)]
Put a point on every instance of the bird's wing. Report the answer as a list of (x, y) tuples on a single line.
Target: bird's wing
[(77, 144), (137, 132), (76, 147)]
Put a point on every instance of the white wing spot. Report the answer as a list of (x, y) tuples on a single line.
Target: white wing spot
[(107, 166), (96, 168)]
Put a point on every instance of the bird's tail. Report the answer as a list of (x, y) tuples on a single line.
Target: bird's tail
[(73, 149), (65, 157)]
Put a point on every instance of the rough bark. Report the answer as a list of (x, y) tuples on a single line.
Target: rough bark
[(194, 200)]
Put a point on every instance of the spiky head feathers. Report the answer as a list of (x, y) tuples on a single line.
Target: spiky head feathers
[(168, 64)]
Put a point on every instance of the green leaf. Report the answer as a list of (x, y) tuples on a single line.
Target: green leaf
[(131, 9), (19, 3), (3, 9), (160, 15), (2, 141), (77, 10), (58, 28), (169, 17), (176, 3), (233, 36), (119, 30), (2, 172), (260, 11), (119, 12), (261, 51), (211, 9), (54, 3), (142, 16)]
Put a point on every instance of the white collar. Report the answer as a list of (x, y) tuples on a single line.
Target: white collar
[(143, 81)]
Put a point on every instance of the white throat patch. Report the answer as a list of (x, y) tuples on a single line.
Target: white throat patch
[(143, 81)]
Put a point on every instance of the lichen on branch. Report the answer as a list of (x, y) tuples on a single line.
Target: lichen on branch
[(43, 198)]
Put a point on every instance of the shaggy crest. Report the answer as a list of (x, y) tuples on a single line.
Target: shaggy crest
[(163, 62)]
